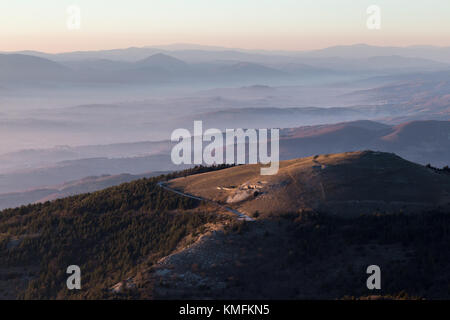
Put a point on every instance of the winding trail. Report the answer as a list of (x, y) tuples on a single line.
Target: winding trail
[(240, 215)]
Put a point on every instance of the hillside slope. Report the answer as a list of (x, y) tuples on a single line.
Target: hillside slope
[(139, 240), (109, 234), (346, 183)]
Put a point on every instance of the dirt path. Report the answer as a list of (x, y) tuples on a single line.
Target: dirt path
[(240, 215)]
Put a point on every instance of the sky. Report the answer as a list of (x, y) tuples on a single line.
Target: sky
[(249, 24)]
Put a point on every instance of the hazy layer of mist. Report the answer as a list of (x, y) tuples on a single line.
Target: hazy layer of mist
[(66, 117)]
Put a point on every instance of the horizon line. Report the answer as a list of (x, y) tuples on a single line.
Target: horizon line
[(218, 47)]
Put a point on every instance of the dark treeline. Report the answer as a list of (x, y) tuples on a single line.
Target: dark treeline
[(416, 267), (107, 233), (445, 169)]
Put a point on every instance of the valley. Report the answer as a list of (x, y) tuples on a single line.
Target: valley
[(87, 176)]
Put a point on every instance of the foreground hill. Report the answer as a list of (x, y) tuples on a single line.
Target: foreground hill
[(139, 240), (346, 183), (108, 233), (309, 256)]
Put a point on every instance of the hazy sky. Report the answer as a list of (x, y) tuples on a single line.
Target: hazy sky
[(252, 24)]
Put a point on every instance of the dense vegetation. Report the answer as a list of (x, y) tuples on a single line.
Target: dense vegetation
[(107, 233), (308, 255), (114, 233), (445, 169), (413, 251)]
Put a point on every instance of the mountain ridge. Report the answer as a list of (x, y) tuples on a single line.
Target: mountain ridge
[(346, 183)]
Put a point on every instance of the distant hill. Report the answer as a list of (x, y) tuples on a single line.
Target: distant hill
[(38, 158), (25, 68), (359, 51), (419, 141), (272, 117), (163, 61), (85, 185), (437, 132), (403, 89), (311, 131), (64, 171), (399, 62)]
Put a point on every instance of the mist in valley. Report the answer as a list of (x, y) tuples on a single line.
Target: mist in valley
[(68, 116)]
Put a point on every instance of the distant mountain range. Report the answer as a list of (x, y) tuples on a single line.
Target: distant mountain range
[(196, 53), (157, 69), (361, 51), (160, 66)]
